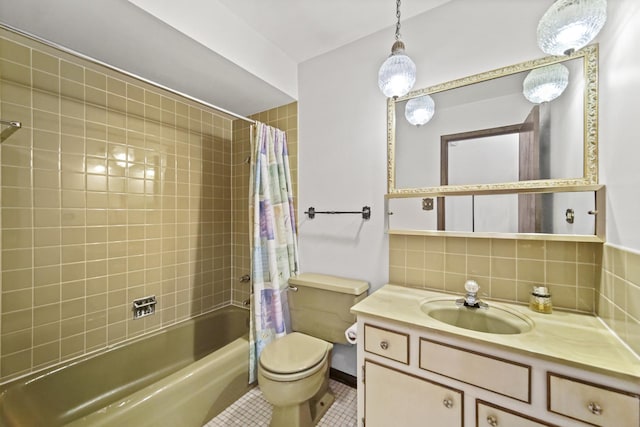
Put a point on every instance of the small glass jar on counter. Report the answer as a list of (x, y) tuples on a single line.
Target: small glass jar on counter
[(540, 300)]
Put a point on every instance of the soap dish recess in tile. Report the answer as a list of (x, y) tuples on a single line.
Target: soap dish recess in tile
[(145, 306)]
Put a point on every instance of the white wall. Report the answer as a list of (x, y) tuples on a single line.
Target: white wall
[(342, 120), (619, 132), (341, 167), (342, 125)]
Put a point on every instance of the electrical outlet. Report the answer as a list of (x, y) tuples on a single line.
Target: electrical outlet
[(427, 204)]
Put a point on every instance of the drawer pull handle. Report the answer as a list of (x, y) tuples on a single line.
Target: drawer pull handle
[(448, 403), (492, 420), (594, 408), (384, 345)]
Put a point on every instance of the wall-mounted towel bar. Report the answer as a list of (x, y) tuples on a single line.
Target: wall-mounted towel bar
[(365, 212)]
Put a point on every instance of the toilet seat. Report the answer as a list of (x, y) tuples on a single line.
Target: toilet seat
[(293, 357)]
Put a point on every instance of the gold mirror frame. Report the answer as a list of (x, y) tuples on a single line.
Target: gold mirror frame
[(590, 150)]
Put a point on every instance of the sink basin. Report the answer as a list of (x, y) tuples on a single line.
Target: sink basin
[(493, 320)]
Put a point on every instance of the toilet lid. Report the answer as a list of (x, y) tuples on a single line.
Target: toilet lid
[(293, 353)]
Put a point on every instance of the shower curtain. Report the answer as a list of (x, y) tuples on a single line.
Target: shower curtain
[(274, 248)]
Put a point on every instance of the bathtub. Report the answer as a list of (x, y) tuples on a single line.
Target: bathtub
[(181, 376)]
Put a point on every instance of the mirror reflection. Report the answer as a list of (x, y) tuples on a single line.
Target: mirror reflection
[(484, 124), (568, 213)]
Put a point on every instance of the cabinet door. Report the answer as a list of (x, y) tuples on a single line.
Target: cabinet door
[(393, 398), (488, 415)]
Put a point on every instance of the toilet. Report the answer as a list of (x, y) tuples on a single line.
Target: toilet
[(293, 371)]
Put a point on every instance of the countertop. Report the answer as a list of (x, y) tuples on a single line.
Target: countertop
[(577, 339)]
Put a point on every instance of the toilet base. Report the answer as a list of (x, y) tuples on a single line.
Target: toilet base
[(306, 414), (321, 406)]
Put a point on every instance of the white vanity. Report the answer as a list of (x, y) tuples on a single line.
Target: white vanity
[(566, 369)]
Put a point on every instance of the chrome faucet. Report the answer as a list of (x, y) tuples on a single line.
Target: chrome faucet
[(471, 300)]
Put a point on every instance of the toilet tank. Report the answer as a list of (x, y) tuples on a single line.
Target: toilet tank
[(321, 305)]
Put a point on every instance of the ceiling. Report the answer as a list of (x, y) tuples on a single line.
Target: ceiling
[(271, 38), (304, 29), (239, 55)]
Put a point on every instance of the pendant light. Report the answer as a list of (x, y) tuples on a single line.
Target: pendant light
[(569, 25), (397, 74), (546, 83), (419, 111)]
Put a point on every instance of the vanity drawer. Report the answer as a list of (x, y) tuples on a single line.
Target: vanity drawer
[(386, 343), (592, 403), (488, 415), (491, 373)]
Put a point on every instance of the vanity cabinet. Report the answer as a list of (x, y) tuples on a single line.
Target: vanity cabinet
[(416, 401), (413, 376)]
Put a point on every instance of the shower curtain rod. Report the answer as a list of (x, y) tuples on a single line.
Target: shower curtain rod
[(119, 70)]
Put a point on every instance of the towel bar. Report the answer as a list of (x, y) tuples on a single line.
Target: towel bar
[(365, 212)]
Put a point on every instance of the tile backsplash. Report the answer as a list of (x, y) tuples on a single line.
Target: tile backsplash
[(112, 190), (595, 278), (618, 298), (505, 269)]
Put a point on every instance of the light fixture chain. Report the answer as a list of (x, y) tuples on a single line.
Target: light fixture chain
[(398, 16)]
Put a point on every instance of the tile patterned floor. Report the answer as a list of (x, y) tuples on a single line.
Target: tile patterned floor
[(251, 410)]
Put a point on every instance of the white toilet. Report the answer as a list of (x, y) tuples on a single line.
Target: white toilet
[(293, 371)]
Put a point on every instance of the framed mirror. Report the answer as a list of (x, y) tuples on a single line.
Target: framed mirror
[(485, 136)]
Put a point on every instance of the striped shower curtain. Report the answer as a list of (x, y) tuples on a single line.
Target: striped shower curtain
[(274, 247)]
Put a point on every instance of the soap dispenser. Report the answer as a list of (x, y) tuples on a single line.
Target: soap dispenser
[(540, 300)]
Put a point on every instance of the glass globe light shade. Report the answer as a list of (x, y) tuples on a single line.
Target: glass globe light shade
[(569, 25), (397, 75), (545, 84), (419, 111)]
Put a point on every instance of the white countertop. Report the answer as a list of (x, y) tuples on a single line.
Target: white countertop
[(578, 339)]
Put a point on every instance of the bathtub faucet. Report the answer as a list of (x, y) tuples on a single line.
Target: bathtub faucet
[(244, 279)]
